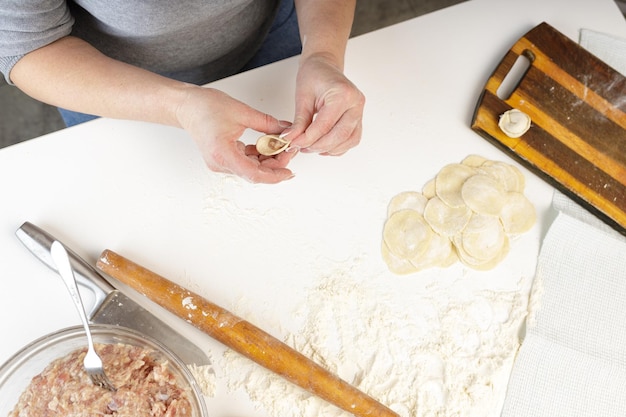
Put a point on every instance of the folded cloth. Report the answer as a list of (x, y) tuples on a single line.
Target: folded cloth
[(609, 49), (572, 361)]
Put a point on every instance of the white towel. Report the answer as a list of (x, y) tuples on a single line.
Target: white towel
[(572, 361), (608, 48)]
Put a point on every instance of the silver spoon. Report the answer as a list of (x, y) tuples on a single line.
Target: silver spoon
[(92, 363)]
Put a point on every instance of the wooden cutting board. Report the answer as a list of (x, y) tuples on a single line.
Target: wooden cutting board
[(577, 105)]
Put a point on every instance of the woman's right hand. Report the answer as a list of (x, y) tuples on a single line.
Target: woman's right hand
[(216, 121)]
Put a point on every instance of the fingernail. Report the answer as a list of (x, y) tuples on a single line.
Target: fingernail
[(284, 123), (285, 133)]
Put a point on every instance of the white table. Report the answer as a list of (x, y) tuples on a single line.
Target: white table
[(143, 191)]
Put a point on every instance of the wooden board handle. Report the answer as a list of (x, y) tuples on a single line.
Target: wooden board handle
[(242, 336)]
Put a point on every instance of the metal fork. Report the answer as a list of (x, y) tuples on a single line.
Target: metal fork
[(92, 363)]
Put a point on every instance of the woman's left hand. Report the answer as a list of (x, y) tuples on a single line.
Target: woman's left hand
[(329, 109)]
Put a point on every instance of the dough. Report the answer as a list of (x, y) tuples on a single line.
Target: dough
[(449, 181), (518, 214), (483, 194), (514, 123), (446, 220), (407, 200), (466, 213), (509, 176), (407, 234)]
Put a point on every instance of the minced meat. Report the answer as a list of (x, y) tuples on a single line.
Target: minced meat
[(145, 387)]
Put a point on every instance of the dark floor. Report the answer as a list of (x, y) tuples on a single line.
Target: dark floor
[(22, 118)]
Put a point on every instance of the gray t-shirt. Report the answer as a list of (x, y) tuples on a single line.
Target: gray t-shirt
[(197, 41)]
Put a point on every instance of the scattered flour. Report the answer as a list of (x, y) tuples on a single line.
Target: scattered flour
[(420, 354), (205, 377)]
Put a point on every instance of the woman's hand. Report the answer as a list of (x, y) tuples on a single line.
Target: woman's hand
[(329, 109), (216, 121)]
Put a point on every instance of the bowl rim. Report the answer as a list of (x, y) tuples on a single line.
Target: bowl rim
[(14, 363)]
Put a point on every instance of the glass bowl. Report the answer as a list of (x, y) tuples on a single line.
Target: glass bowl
[(16, 373)]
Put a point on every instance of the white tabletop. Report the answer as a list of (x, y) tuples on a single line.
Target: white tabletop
[(143, 191)]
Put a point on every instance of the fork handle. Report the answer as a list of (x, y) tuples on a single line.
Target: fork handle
[(62, 262)]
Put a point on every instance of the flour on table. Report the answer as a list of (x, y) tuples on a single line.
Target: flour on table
[(419, 354), (205, 377)]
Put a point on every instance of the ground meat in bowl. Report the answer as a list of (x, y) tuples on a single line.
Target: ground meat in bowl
[(145, 387)]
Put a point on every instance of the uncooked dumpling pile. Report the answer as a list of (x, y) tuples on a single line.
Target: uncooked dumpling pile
[(467, 213)]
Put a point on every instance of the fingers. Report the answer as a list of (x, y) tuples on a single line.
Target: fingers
[(334, 137), (246, 162), (262, 122), (329, 110), (280, 160), (216, 121), (335, 129), (344, 146), (243, 161)]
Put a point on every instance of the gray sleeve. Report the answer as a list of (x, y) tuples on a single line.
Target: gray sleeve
[(27, 25)]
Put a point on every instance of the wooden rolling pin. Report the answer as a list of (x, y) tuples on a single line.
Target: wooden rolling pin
[(242, 336)]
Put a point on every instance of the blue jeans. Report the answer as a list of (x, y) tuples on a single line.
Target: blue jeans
[(282, 41)]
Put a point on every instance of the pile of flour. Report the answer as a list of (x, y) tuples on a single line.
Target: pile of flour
[(425, 354)]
